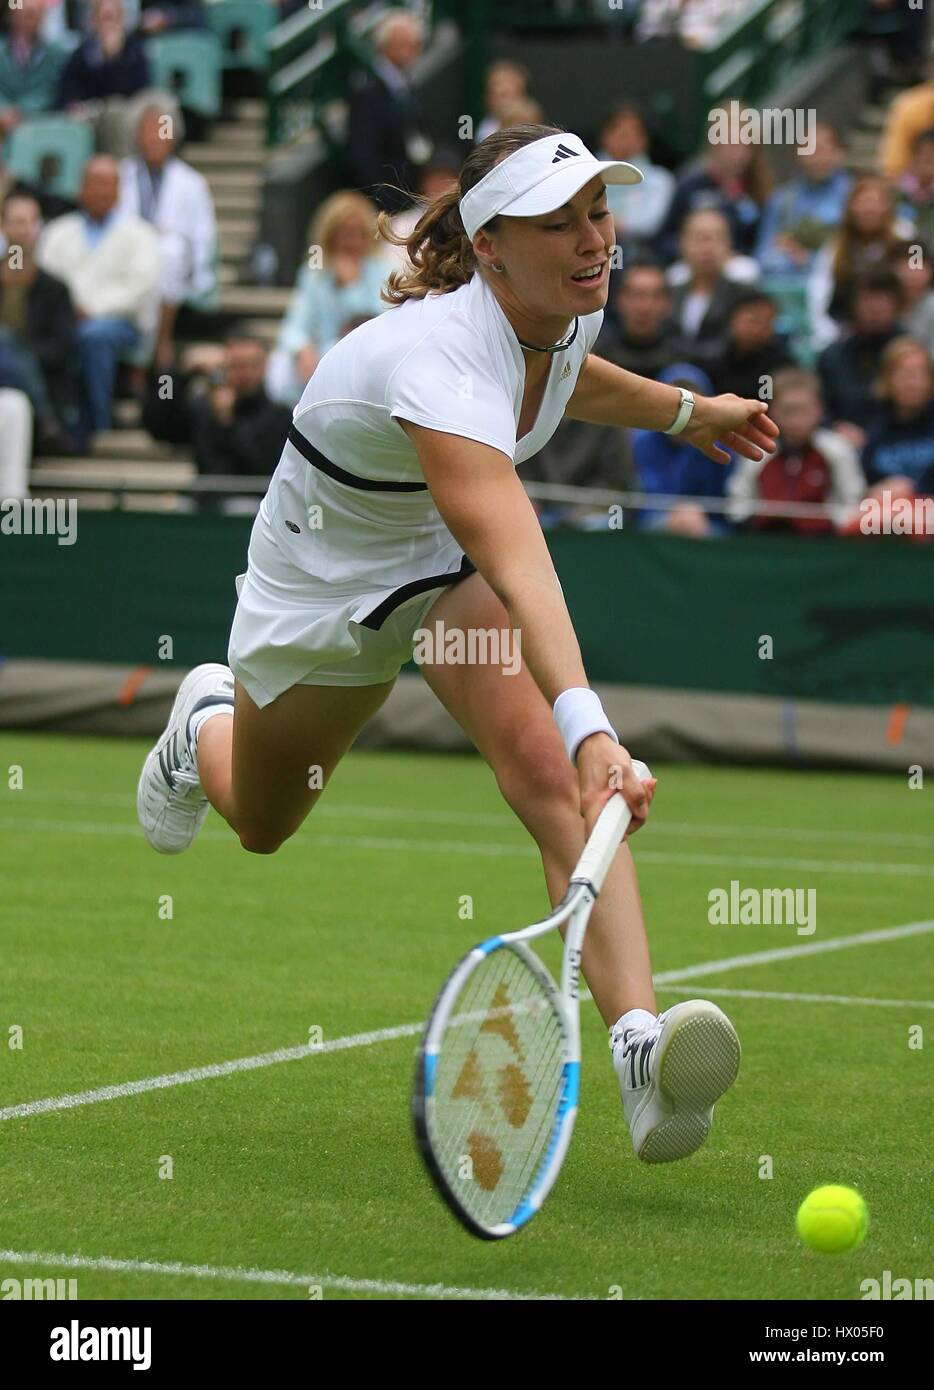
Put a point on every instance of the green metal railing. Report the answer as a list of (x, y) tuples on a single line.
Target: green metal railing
[(312, 56), (313, 53)]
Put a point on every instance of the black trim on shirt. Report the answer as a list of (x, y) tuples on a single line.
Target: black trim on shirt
[(340, 475)]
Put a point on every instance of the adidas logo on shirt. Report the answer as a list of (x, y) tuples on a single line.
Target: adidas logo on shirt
[(563, 152), (567, 370)]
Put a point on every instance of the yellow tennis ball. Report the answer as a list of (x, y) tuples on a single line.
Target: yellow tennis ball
[(833, 1219)]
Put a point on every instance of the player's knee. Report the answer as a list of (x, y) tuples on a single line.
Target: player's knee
[(537, 772)]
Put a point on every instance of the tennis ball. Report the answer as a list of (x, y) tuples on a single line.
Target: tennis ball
[(833, 1219)]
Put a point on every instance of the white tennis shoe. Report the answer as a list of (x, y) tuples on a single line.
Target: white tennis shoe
[(670, 1073), (170, 801)]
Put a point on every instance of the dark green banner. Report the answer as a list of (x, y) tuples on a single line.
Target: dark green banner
[(824, 619)]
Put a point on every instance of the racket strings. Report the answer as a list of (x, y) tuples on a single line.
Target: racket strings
[(498, 1085)]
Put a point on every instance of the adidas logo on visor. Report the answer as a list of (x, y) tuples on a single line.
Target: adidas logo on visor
[(563, 152)]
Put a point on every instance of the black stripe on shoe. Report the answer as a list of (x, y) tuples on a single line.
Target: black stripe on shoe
[(644, 1059)]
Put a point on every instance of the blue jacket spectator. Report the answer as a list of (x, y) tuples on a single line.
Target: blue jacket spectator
[(901, 443), (668, 465), (733, 179), (801, 214)]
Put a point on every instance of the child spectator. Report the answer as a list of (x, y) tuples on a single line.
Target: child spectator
[(900, 447), (869, 237), (810, 465), (849, 367), (802, 214), (667, 465), (754, 352)]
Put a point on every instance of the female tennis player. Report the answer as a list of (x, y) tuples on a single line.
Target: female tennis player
[(400, 464)]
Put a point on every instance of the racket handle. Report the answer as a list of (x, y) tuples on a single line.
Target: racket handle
[(607, 835)]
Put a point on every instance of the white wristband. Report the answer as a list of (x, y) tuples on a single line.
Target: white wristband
[(685, 411), (578, 714)]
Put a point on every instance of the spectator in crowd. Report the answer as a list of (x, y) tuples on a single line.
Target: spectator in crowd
[(910, 113), (803, 213), (643, 339), (343, 277), (753, 352), (667, 465), (387, 142), (438, 174), (638, 209), (703, 299), (849, 367), (734, 179), (915, 269), (916, 186), (506, 84), (29, 66), (811, 465), (50, 206), (15, 431), (523, 111), (37, 327), (108, 67), (176, 200), (111, 267), (900, 448), (696, 23), (219, 408), (868, 238)]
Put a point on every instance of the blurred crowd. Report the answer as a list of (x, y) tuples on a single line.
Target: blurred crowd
[(812, 291)]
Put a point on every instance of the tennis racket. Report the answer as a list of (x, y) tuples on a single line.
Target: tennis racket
[(498, 1070)]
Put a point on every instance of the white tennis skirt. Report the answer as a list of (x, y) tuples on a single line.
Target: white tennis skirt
[(291, 628)]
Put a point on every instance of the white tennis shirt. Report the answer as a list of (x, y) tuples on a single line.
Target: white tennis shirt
[(451, 362)]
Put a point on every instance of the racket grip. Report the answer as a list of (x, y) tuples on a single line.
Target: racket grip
[(607, 834)]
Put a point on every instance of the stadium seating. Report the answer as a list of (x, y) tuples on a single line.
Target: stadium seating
[(43, 140), (189, 65), (241, 26)]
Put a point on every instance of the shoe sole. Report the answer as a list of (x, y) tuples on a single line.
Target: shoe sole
[(152, 758), (697, 1062)]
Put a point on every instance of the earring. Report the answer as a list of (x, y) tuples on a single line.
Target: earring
[(498, 268)]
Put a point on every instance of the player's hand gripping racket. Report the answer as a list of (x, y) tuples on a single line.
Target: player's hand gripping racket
[(498, 1072)]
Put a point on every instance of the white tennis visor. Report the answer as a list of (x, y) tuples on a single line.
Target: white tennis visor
[(539, 178)]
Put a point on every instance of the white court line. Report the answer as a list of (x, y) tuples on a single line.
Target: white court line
[(499, 851), (783, 995), (292, 1054), (283, 1277), (438, 816)]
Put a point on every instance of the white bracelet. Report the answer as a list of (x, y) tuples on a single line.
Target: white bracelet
[(578, 714), (685, 411)]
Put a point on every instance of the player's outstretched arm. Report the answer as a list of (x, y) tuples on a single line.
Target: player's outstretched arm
[(609, 395)]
